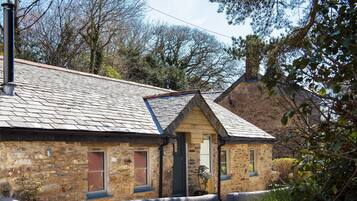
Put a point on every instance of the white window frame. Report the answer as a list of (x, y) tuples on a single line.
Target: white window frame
[(105, 190), (255, 172), (210, 151), (227, 163), (148, 168)]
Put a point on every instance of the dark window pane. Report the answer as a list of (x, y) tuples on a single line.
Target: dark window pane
[(251, 167), (95, 161), (224, 166), (140, 159), (224, 169), (251, 155), (223, 156), (95, 181), (140, 177)]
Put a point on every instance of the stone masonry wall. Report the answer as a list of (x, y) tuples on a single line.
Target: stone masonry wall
[(251, 101), (193, 159), (168, 168), (238, 168), (62, 176)]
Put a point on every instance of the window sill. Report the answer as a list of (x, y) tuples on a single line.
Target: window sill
[(253, 174), (225, 177), (98, 195), (142, 189)]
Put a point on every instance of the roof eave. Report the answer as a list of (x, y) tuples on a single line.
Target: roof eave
[(36, 134), (248, 140)]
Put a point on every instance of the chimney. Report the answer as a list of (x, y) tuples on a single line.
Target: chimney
[(253, 56), (8, 85)]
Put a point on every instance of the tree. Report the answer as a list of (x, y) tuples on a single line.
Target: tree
[(100, 21), (27, 14), (56, 37), (175, 57), (189, 52), (318, 55)]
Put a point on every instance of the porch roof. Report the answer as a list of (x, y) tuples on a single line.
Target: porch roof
[(171, 108)]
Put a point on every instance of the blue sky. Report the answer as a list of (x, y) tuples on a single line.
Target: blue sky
[(198, 12)]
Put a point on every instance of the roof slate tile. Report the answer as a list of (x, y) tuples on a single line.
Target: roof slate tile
[(56, 98)]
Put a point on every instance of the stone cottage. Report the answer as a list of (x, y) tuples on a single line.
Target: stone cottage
[(73, 136), (249, 98)]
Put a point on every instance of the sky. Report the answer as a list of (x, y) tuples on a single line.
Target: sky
[(198, 12)]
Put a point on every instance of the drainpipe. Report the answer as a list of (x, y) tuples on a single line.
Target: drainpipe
[(221, 142), (161, 169)]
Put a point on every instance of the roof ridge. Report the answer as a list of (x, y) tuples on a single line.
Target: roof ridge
[(62, 69), (175, 93)]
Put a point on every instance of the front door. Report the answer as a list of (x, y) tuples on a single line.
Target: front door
[(179, 172)]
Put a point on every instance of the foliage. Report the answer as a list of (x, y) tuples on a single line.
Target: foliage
[(314, 66), (278, 195), (111, 72), (196, 55), (204, 175), (264, 16), (87, 35), (174, 57), (285, 167)]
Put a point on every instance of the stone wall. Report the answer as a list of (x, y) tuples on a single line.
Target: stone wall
[(168, 170), (193, 160), (238, 168), (61, 175), (251, 101)]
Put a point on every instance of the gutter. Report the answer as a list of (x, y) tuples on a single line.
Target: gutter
[(34, 134), (221, 142), (161, 163), (247, 140)]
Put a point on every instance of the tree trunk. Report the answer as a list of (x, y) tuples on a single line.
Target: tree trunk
[(92, 59)]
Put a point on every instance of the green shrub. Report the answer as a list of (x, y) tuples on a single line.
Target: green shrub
[(285, 167), (278, 195), (111, 72)]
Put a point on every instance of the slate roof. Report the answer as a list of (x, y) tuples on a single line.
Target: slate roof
[(50, 97), (242, 78), (235, 125), (55, 98), (167, 107), (211, 95)]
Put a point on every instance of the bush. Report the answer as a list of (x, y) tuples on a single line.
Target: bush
[(285, 167), (278, 195), (111, 72)]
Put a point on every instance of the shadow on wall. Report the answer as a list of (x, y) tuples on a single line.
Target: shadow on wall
[(5, 192)]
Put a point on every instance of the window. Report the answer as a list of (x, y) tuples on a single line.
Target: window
[(252, 168), (224, 163), (205, 152), (141, 169), (96, 171)]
